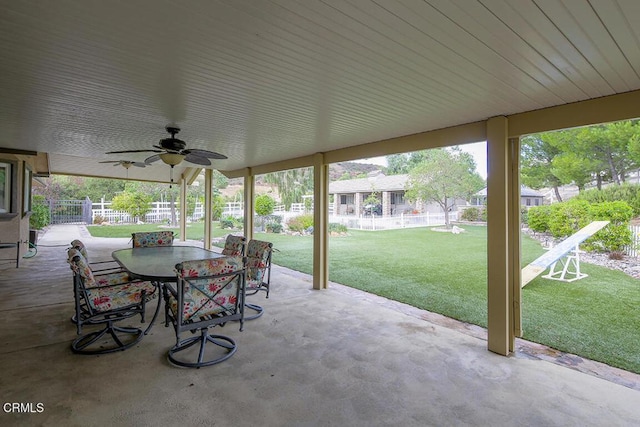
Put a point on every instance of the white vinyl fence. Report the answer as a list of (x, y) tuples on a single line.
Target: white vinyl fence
[(635, 245), (160, 212), (375, 222)]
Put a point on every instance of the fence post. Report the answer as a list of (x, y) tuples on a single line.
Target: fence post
[(87, 211)]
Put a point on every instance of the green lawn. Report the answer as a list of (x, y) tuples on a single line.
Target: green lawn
[(195, 231), (596, 317)]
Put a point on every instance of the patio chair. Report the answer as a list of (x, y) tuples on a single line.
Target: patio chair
[(110, 266), (104, 266), (152, 238), (104, 300), (234, 245), (208, 293), (258, 263)]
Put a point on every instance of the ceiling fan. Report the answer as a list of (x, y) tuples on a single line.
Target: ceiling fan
[(173, 151), (125, 163)]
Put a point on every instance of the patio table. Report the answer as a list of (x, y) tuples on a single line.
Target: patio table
[(157, 264)]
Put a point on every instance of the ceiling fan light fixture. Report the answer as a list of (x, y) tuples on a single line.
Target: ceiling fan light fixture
[(172, 159)]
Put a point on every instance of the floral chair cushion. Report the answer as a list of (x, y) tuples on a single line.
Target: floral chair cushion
[(204, 295), (258, 260), (234, 245), (80, 246), (259, 249), (152, 238), (108, 291)]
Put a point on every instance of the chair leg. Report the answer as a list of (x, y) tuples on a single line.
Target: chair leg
[(222, 341), (155, 314), (255, 307), (82, 345)]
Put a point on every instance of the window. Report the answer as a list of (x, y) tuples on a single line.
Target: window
[(26, 195), (528, 201), (346, 199), (5, 187), (397, 198)]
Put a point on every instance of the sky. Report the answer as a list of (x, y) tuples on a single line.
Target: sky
[(477, 149)]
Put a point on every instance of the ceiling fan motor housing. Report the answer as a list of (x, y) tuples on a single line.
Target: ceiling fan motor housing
[(172, 144)]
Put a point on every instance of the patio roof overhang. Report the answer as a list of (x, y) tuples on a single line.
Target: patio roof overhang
[(267, 82), (276, 85)]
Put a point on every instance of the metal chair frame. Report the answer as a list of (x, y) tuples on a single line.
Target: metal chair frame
[(265, 281), (122, 337), (234, 280)]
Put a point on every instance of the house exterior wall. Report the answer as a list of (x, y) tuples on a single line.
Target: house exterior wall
[(14, 225)]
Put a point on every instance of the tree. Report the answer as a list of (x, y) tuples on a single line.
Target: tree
[(219, 180), (264, 205), (580, 155), (443, 176), (538, 152), (292, 184), (135, 204), (61, 187), (402, 163), (217, 206)]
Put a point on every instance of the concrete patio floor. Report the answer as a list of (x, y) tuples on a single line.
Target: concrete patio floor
[(338, 357)]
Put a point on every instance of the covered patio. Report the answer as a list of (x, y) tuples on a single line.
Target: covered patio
[(339, 357), (276, 85)]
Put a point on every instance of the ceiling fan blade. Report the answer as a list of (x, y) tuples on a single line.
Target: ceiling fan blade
[(110, 161), (133, 151), (205, 153), (139, 164), (152, 159), (193, 158)]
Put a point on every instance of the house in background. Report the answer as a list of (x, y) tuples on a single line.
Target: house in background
[(17, 169), (528, 197), (349, 196)]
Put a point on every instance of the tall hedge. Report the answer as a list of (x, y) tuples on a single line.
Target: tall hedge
[(629, 193), (563, 219)]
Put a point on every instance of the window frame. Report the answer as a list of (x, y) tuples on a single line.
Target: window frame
[(27, 177), (9, 189)]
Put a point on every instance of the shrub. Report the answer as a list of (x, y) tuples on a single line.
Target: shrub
[(99, 219), (617, 212), (274, 227), (230, 222), (617, 255), (470, 214), (568, 217), (629, 193), (564, 219), (40, 213), (300, 223), (538, 218), (524, 215), (335, 227), (612, 238)]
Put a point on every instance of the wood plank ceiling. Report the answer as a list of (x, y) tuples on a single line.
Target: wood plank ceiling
[(263, 81)]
